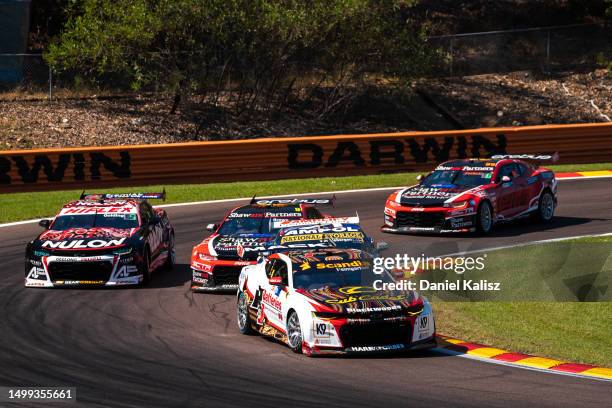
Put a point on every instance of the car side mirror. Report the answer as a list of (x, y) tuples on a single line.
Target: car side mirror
[(420, 178), (45, 223), (275, 281), (211, 227), (381, 245)]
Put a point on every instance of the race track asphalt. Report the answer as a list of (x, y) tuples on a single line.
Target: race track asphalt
[(163, 346)]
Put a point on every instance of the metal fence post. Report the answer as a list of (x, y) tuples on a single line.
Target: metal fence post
[(548, 51), (50, 84), (452, 40)]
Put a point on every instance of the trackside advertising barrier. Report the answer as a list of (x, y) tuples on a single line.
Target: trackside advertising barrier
[(296, 157)]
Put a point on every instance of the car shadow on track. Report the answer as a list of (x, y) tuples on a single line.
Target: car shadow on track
[(526, 225), (176, 277), (519, 227)]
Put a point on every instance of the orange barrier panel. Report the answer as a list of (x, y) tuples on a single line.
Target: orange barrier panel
[(297, 157)]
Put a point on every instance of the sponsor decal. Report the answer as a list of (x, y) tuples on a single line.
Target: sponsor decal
[(460, 222), (279, 224), (269, 299), (126, 270), (476, 169), (80, 282), (294, 201), (523, 156), (79, 259), (373, 309), (37, 273), (428, 192), (98, 210), (197, 279), (245, 215), (345, 236), (82, 244), (352, 299), (282, 215), (85, 233), (389, 347), (422, 326), (317, 229)]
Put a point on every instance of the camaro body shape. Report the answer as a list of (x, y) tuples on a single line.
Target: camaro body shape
[(329, 295), (216, 263), (467, 195), (105, 240)]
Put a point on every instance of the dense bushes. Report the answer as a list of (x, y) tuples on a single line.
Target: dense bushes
[(265, 51)]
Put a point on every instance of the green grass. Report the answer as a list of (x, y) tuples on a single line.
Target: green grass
[(574, 332), (569, 331), (22, 206)]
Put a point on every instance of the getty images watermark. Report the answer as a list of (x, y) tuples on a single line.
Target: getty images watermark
[(405, 266)]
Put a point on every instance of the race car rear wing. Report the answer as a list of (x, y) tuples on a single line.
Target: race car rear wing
[(294, 201), (123, 196), (279, 224), (540, 157)]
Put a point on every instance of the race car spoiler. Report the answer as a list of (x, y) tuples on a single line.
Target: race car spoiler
[(278, 224), (551, 157), (123, 196), (294, 201)]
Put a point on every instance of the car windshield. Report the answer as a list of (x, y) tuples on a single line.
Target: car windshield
[(96, 220), (359, 274), (245, 226), (457, 178), (257, 220)]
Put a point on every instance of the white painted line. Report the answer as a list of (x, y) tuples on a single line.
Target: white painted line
[(523, 244), (583, 177), (510, 364), (229, 200)]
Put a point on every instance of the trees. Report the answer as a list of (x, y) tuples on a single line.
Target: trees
[(263, 50)]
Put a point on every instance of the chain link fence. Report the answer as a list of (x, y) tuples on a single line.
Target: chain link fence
[(546, 49), (25, 76)]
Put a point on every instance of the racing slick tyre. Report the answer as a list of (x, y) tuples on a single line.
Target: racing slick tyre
[(294, 332), (546, 207), (146, 267), (484, 218), (242, 315), (171, 259)]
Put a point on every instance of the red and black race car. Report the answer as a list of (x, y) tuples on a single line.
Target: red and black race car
[(216, 262), (468, 195), (101, 239)]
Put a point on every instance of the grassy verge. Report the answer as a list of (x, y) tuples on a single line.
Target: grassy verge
[(575, 332), (22, 206), (570, 331)]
